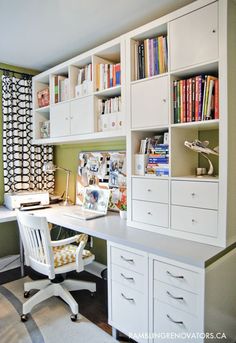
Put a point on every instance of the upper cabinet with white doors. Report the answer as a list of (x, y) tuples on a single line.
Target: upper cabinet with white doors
[(83, 98), (180, 74)]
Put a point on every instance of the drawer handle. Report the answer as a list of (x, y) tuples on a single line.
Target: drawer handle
[(129, 260), (194, 221), (127, 278), (173, 297), (128, 299), (149, 190), (149, 213), (175, 276), (174, 321)]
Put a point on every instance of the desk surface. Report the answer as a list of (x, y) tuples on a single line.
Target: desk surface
[(114, 229)]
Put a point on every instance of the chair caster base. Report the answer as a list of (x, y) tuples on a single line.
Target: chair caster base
[(73, 317), (26, 294), (24, 318)]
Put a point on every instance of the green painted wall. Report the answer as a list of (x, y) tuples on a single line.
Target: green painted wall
[(9, 241), (67, 156)]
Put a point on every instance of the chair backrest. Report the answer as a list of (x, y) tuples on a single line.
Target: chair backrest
[(36, 240)]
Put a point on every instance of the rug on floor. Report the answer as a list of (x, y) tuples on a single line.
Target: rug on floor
[(49, 322)]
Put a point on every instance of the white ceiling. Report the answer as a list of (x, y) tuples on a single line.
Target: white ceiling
[(38, 34)]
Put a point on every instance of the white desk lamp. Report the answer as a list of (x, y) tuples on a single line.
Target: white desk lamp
[(50, 167)]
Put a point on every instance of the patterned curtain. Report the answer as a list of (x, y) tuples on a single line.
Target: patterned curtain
[(22, 161)]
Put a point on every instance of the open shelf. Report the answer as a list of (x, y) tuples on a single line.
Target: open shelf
[(113, 91), (201, 125)]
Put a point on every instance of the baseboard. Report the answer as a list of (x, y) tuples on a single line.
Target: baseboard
[(9, 262), (95, 268)]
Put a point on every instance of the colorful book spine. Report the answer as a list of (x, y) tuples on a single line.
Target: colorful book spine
[(216, 107)]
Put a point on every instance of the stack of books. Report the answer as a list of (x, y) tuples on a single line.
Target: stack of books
[(196, 99), (107, 75), (61, 88), (150, 57), (158, 161), (111, 105), (85, 74)]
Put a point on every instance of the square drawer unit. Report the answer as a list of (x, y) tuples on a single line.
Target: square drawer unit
[(195, 194), (152, 213), (194, 220), (150, 190)]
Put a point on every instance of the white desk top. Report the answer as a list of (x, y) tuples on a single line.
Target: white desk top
[(114, 229)]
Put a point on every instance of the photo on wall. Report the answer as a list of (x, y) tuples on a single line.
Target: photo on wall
[(105, 170)]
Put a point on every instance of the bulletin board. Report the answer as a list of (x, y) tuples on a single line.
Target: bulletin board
[(104, 169)]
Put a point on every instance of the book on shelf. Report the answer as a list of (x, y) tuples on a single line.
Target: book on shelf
[(107, 106), (196, 99), (61, 88), (150, 57), (107, 75)]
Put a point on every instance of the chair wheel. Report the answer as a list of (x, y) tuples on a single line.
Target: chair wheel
[(24, 318), (73, 317), (26, 294)]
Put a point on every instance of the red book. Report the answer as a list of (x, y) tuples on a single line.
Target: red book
[(197, 80), (216, 99), (184, 101), (188, 100)]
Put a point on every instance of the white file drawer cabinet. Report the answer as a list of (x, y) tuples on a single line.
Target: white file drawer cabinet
[(148, 109), (194, 220), (150, 190), (150, 213), (195, 194)]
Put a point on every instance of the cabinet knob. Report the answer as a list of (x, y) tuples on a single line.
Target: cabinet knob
[(71, 117), (67, 118), (213, 31), (149, 213), (193, 221), (193, 194), (149, 190), (164, 100)]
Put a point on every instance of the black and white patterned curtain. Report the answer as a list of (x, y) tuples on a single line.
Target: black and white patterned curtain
[(22, 161)]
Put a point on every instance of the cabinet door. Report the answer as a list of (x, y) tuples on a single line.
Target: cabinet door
[(82, 118), (60, 120), (150, 103), (194, 37)]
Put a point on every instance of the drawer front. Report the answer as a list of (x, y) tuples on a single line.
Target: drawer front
[(194, 220), (177, 277), (129, 310), (179, 298), (127, 278), (195, 194), (150, 190), (150, 213), (168, 319), (128, 260)]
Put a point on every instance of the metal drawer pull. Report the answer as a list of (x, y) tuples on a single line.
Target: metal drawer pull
[(150, 213), (174, 321), (128, 299), (127, 278), (193, 194), (173, 297), (129, 260), (175, 276), (149, 190)]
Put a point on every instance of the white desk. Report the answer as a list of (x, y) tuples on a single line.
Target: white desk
[(112, 228)]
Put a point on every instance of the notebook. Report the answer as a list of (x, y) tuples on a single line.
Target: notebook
[(95, 204)]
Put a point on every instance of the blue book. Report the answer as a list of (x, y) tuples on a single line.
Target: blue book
[(155, 51)]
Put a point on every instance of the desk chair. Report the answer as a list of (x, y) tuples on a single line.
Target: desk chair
[(52, 258)]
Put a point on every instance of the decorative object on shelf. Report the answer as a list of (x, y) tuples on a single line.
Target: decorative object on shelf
[(140, 164), (50, 167), (106, 169), (43, 97), (122, 205), (45, 129), (201, 171), (203, 149)]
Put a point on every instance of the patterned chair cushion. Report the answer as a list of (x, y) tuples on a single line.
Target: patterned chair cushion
[(65, 254)]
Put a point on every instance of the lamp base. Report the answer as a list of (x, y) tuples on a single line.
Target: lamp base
[(66, 202)]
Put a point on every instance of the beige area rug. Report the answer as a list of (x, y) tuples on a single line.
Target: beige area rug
[(50, 321)]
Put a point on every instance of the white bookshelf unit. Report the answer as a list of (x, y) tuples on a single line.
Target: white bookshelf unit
[(73, 111)]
